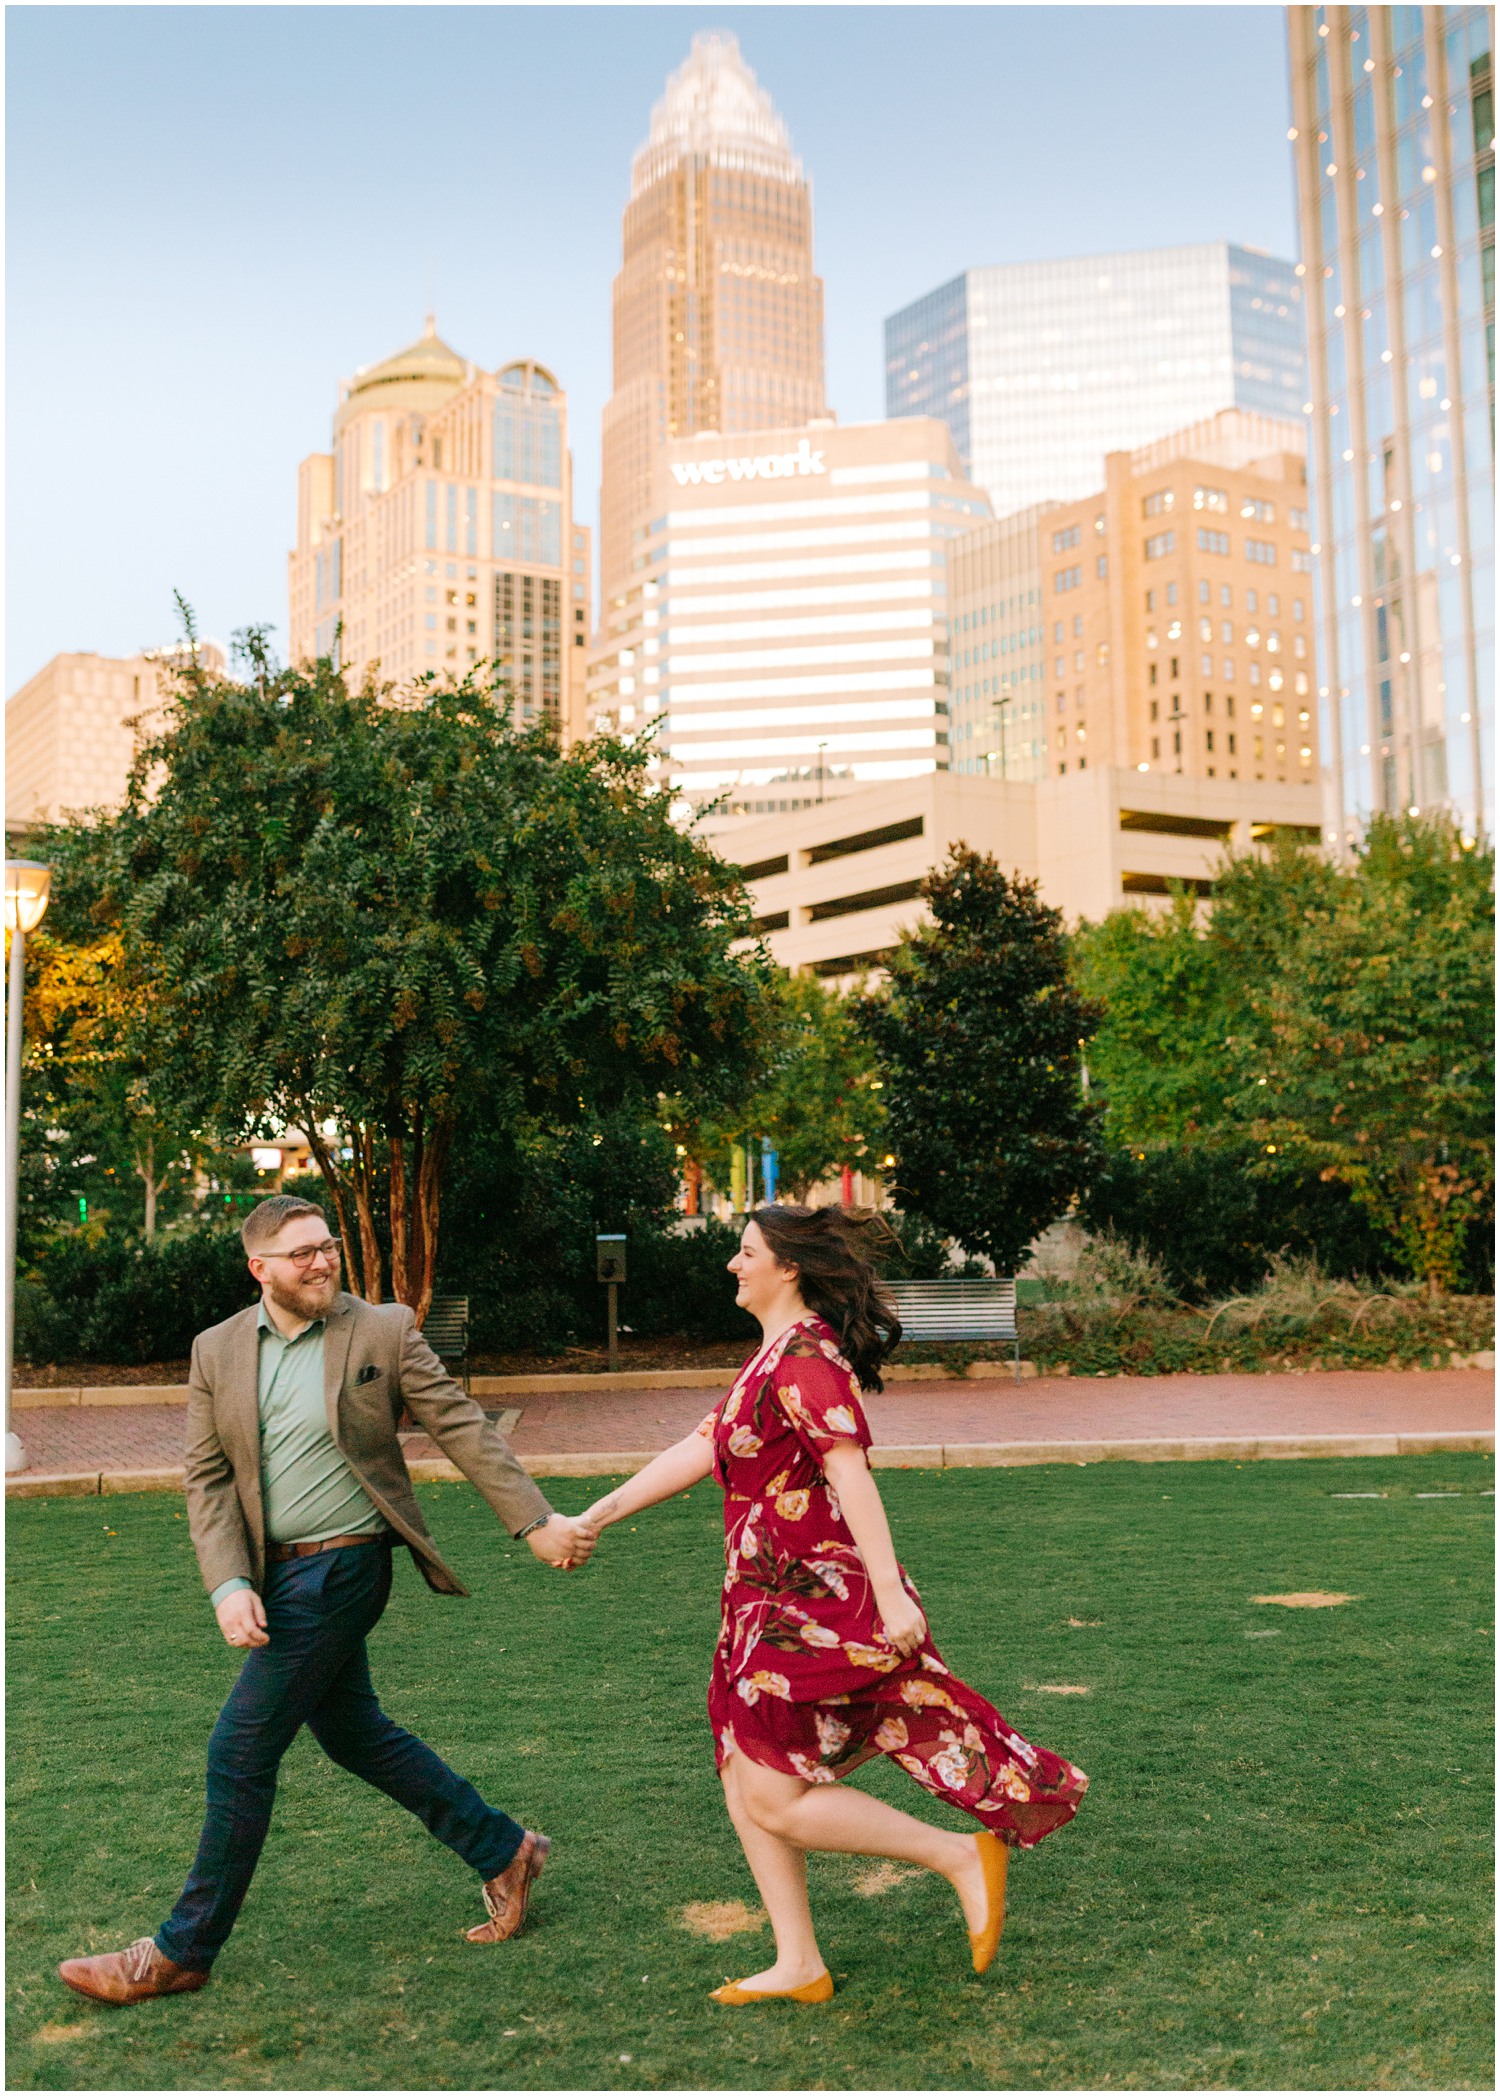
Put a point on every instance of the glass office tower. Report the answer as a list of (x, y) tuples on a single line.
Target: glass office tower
[(1393, 136), (1041, 368)]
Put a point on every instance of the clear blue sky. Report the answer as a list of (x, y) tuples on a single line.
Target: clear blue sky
[(215, 212)]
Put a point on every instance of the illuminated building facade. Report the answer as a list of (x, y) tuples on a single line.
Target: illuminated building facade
[(1394, 141)]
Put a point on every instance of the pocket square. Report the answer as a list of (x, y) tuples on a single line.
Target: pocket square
[(368, 1373)]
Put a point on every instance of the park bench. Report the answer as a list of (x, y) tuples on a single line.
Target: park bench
[(446, 1330), (958, 1310)]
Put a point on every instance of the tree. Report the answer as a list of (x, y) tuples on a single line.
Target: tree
[(1158, 1058), (817, 1100), (375, 917), (1370, 1051), (978, 1034), (89, 1115), (1321, 1021)]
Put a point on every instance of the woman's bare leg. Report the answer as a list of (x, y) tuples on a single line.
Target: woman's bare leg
[(830, 1817), (780, 1872)]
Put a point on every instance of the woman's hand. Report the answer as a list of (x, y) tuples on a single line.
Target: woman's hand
[(905, 1624)]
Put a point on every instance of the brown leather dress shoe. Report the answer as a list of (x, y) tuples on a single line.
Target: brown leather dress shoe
[(124, 1976), (505, 1897)]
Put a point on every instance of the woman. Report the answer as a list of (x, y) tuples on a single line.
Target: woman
[(824, 1658)]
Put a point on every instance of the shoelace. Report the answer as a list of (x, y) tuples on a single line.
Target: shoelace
[(139, 1959)]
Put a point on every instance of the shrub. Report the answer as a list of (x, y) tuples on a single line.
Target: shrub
[(1215, 1225), (97, 1296)]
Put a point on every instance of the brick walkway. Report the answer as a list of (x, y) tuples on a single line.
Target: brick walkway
[(579, 1424)]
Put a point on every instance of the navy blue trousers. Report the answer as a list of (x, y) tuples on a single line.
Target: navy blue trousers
[(315, 1672)]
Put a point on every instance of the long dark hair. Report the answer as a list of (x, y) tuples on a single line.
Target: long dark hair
[(831, 1249)]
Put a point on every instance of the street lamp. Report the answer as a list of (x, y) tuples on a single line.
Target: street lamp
[(27, 886), (1001, 720)]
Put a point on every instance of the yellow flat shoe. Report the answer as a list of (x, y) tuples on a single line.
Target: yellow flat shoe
[(737, 1997), (995, 1857)]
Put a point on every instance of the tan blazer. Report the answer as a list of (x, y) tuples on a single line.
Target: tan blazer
[(223, 1436)]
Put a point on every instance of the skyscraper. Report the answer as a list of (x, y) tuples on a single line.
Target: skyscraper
[(1162, 624), (1394, 140), (438, 533), (1041, 368), (788, 638), (718, 317)]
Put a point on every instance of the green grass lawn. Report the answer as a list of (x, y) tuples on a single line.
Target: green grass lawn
[(1279, 1878)]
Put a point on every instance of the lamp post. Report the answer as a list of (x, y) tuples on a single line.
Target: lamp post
[(27, 885), (1002, 721)]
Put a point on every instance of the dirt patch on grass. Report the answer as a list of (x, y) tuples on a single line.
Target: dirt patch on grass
[(1054, 1688), (717, 1920), (1315, 1597), (65, 2033), (885, 1877)]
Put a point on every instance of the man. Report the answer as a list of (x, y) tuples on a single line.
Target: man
[(297, 1491)]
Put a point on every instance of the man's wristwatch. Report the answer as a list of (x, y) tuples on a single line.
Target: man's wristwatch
[(532, 1526)]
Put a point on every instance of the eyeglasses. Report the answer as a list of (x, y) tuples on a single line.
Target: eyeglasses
[(303, 1257)]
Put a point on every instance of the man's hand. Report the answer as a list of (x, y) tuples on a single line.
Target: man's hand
[(242, 1618), (562, 1542)]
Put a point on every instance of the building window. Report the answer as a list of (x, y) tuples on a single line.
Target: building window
[(1231, 746), (452, 506), (1067, 579), (1156, 745), (1298, 519), (1158, 504), (1211, 498), (1208, 740), (432, 516), (1101, 567), (1301, 561), (1213, 541), (1062, 540), (1203, 593), (1261, 550), (1163, 543), (1257, 512), (528, 443)]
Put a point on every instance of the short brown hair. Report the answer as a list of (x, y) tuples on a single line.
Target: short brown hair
[(266, 1218)]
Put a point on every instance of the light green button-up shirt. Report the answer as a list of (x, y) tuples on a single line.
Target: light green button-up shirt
[(307, 1488)]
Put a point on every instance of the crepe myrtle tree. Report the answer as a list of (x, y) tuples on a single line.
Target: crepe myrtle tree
[(391, 914), (978, 1033)]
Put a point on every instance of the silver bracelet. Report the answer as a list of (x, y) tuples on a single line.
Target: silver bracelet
[(531, 1526)]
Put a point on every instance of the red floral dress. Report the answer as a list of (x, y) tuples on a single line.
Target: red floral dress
[(804, 1677)]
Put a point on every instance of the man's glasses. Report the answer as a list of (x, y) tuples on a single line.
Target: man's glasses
[(303, 1257)]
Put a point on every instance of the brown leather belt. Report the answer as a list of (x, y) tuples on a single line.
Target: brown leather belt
[(278, 1553)]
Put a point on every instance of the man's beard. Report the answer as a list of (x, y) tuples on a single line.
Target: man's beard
[(307, 1298)]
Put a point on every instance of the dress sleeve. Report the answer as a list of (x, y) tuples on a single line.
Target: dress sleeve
[(706, 1424), (820, 1396)]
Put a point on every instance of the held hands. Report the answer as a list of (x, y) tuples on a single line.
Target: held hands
[(563, 1542), (905, 1624), (242, 1618)]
